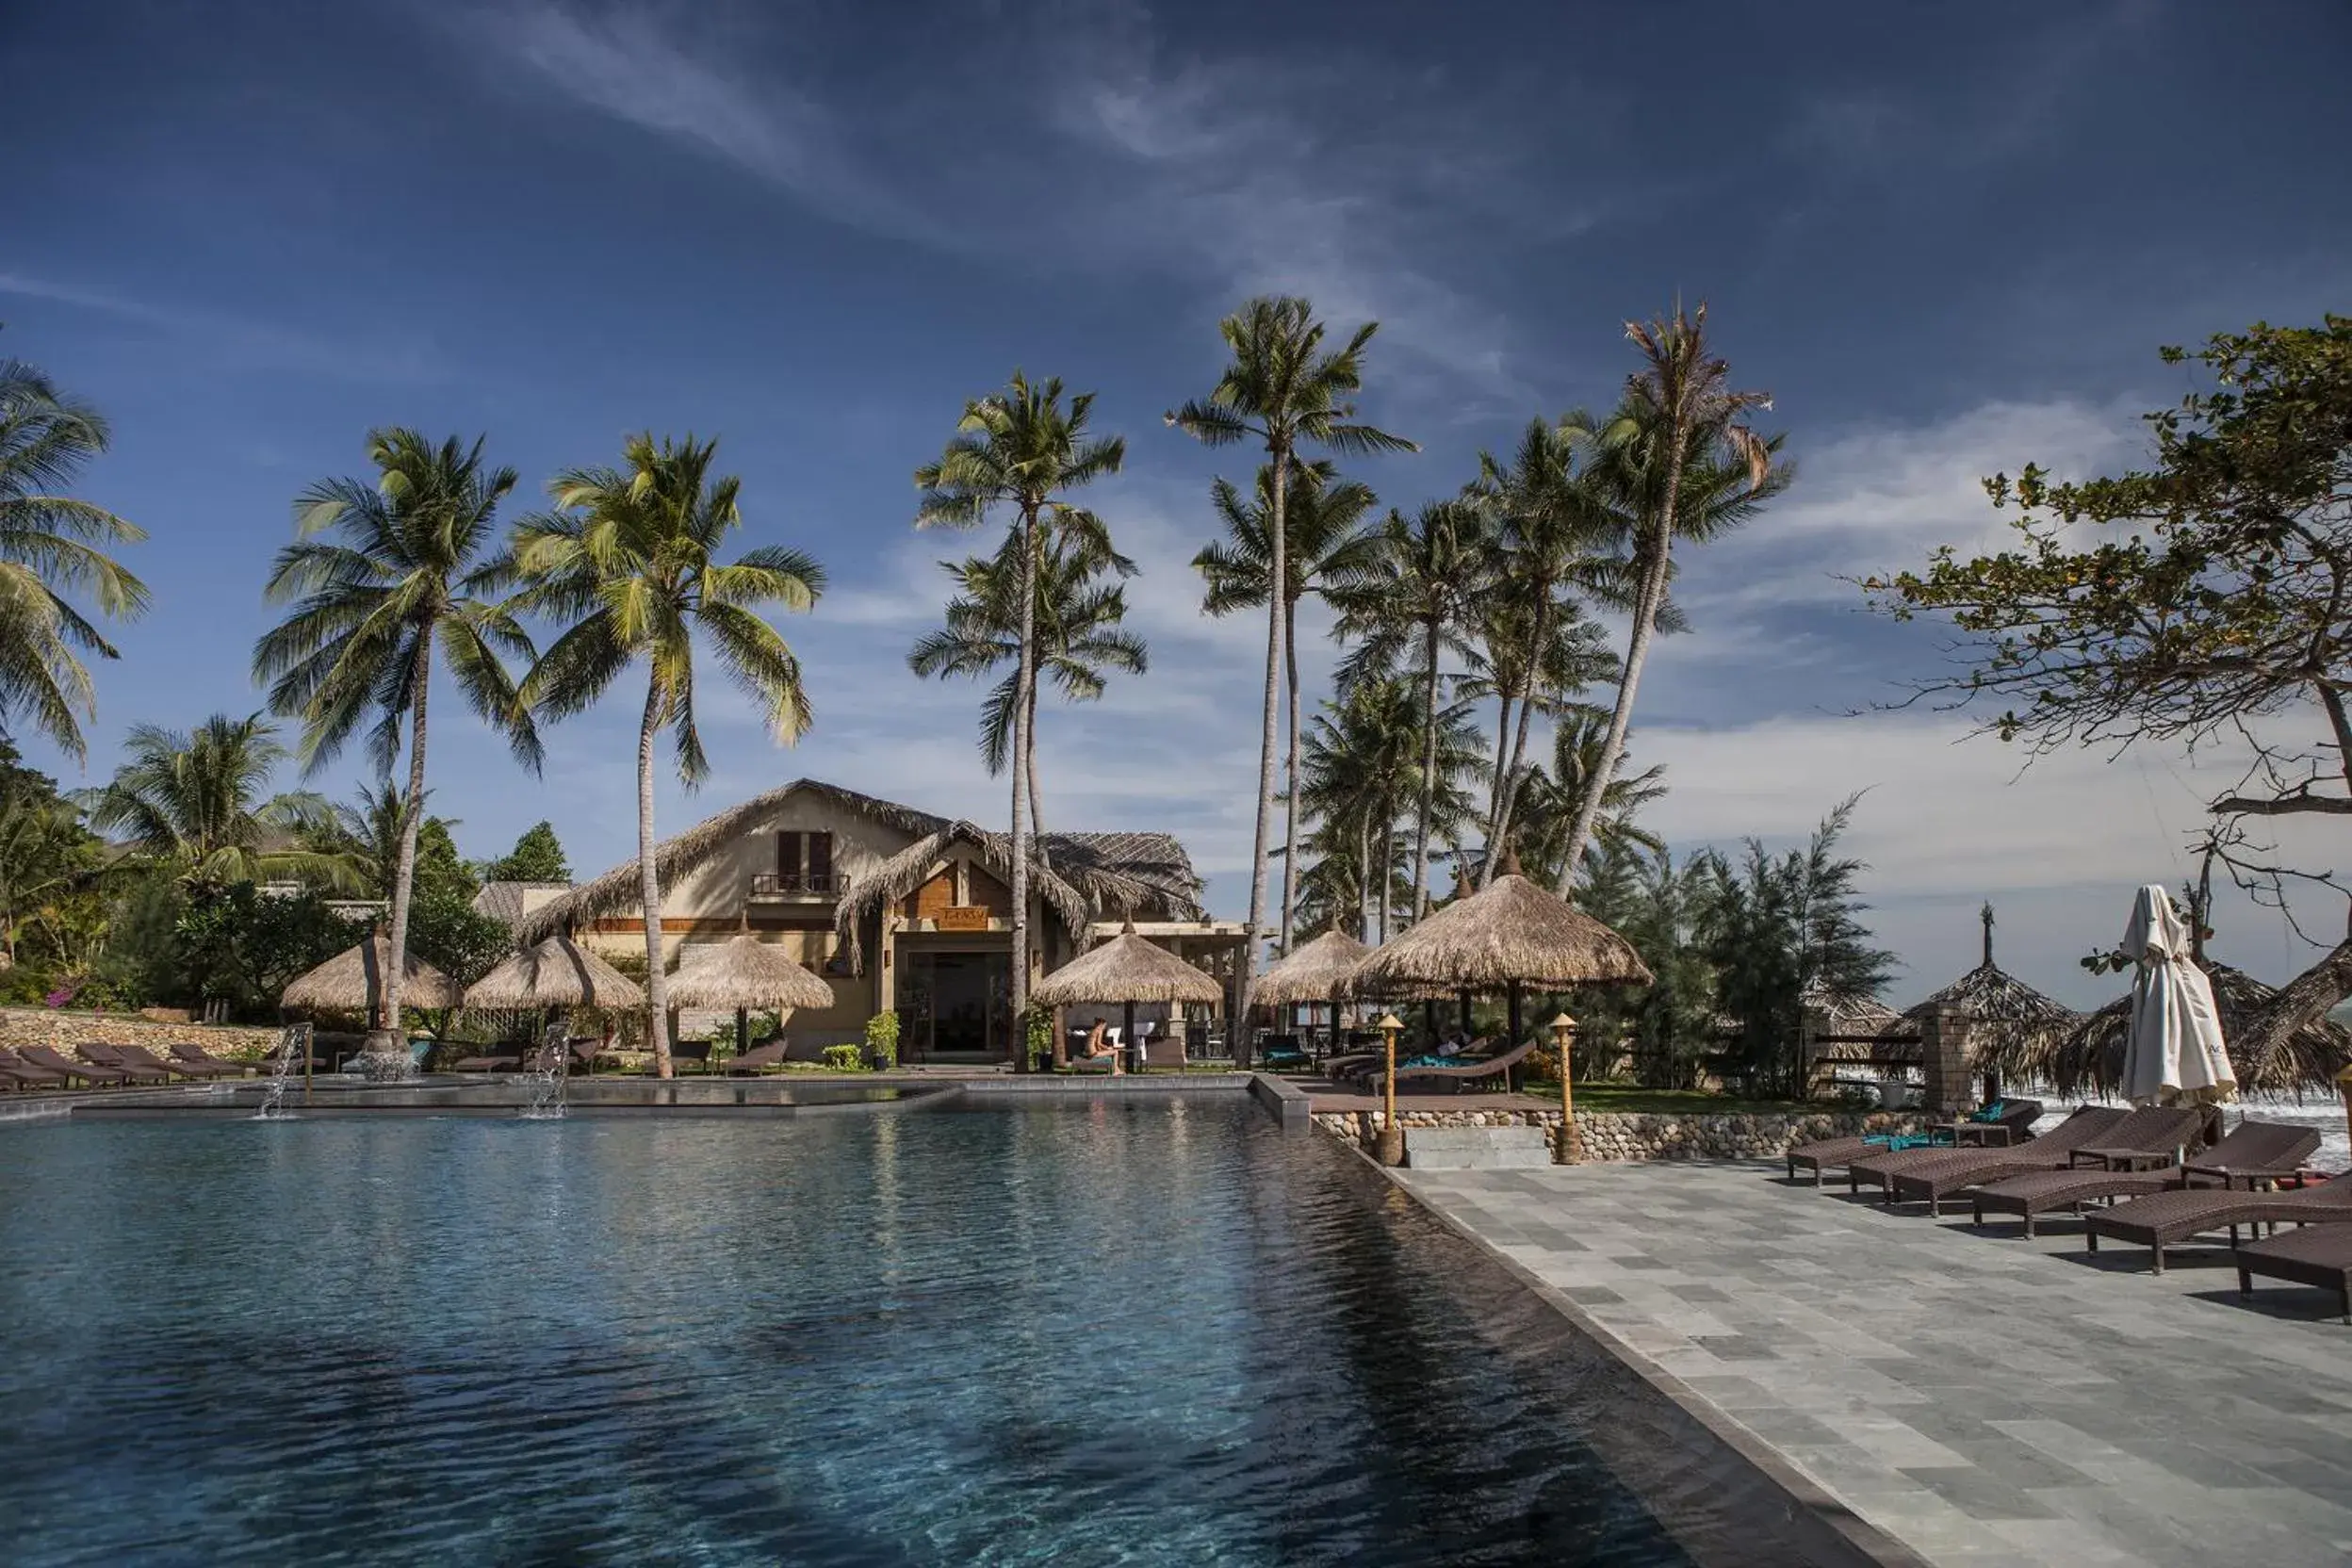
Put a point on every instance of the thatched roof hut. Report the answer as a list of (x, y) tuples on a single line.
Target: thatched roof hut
[(1126, 969), (352, 981), (1316, 972), (559, 972), (744, 972), (2090, 1059), (2013, 1030), (1510, 933)]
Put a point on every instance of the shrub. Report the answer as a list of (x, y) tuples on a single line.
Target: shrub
[(882, 1041), (846, 1058)]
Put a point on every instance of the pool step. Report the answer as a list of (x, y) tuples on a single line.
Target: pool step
[(1477, 1147)]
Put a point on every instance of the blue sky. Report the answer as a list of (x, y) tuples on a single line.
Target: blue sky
[(1947, 239)]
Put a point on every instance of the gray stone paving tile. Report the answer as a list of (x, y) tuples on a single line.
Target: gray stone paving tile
[(1978, 1494)]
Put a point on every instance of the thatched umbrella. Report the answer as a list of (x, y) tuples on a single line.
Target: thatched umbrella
[(1126, 970), (1315, 973), (1509, 935), (352, 981), (2091, 1056), (559, 972), (2013, 1030), (744, 972)]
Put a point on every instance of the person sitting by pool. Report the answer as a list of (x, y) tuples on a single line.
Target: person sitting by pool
[(1099, 1045)]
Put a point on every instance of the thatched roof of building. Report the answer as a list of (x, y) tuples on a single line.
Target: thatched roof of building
[(1316, 972), (1120, 871), (559, 972), (2013, 1030), (1125, 969), (743, 972), (2090, 1059), (352, 981), (504, 901), (1509, 931)]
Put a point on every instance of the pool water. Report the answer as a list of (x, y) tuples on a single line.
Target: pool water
[(1110, 1333)]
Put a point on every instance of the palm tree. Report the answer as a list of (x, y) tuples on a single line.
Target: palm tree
[(192, 804), (1551, 803), (1411, 610), (628, 564), (1021, 448), (1282, 388), (52, 544), (1079, 640), (1363, 756), (412, 562), (1324, 544), (1679, 413)]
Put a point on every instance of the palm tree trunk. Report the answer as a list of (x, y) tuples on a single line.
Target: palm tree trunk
[(1036, 800), (1428, 782), (1290, 771), (1024, 693), (1276, 575), (1495, 794), (1386, 850), (1364, 878), (413, 816), (1645, 607), (649, 885), (1508, 800)]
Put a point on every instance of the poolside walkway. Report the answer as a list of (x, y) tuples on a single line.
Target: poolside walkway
[(1982, 1398)]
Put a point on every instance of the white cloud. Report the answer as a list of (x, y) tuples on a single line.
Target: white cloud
[(246, 342)]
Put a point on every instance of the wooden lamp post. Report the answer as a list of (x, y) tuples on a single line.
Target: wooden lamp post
[(1392, 1144), (1563, 1034)]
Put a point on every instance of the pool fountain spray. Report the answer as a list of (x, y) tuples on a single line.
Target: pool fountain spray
[(550, 1077), (295, 1040)]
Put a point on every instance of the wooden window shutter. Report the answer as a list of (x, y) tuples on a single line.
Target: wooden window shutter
[(819, 860)]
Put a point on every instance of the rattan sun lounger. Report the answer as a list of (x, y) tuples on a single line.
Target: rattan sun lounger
[(1825, 1154), (2311, 1255), (92, 1073), (2011, 1126), (495, 1060), (24, 1074), (2253, 1151), (196, 1057), (2148, 1135), (2166, 1219), (197, 1066), (2048, 1151), (1471, 1070), (760, 1058), (132, 1072)]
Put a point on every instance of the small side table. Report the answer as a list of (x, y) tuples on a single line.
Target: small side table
[(2123, 1159)]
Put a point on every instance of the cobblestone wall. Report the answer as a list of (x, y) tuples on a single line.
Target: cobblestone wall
[(67, 1030), (1622, 1136)]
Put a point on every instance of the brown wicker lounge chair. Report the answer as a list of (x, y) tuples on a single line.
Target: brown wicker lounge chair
[(188, 1054), (2013, 1125), (139, 1057), (2089, 1124), (760, 1058), (497, 1059), (20, 1073), (2252, 1153), (2016, 1116), (92, 1073), (2311, 1255), (2166, 1219), (2148, 1135), (1472, 1070), (137, 1072)]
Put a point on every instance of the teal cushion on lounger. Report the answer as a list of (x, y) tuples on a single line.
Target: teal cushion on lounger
[(1989, 1114)]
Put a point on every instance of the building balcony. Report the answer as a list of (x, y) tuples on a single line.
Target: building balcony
[(769, 886)]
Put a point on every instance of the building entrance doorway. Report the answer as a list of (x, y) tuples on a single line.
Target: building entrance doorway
[(956, 1004)]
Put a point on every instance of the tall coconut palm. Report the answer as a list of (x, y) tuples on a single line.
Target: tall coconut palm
[(192, 804), (1681, 412), (1324, 544), (381, 573), (1285, 389), (1079, 640), (50, 546), (1551, 803), (1362, 760), (1022, 450), (1414, 610), (628, 564)]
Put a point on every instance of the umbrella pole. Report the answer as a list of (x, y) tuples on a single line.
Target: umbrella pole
[(1127, 1033), (1513, 994), (742, 1033)]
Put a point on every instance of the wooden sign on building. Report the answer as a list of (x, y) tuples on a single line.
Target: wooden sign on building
[(963, 917)]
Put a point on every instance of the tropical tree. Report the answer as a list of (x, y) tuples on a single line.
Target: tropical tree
[(1020, 449), (537, 856), (1680, 421), (1363, 762), (1283, 390), (46, 855), (1324, 545), (1079, 640), (52, 544), (1551, 802), (380, 573), (193, 805), (627, 564), (371, 832), (1412, 610), (1665, 911)]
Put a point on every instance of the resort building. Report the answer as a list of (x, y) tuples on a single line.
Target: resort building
[(894, 906)]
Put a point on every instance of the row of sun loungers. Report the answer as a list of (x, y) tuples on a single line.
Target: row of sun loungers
[(2144, 1177), (1473, 1069), (102, 1066)]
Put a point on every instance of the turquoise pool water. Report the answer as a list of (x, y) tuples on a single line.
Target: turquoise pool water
[(1108, 1333)]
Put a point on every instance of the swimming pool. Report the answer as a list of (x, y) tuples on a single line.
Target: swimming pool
[(1127, 1332)]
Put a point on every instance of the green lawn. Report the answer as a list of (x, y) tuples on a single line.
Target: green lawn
[(1642, 1101)]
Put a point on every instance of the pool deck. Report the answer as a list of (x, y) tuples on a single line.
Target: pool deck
[(1982, 1398)]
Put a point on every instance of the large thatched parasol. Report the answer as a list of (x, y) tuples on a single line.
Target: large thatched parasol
[(1506, 936), (2090, 1059), (1126, 970), (2013, 1030), (559, 972), (1316, 972), (744, 972), (352, 981)]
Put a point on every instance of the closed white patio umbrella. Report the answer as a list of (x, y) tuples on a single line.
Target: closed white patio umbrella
[(2175, 1053)]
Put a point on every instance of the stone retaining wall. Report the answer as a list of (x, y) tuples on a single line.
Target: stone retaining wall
[(1626, 1135), (67, 1030)]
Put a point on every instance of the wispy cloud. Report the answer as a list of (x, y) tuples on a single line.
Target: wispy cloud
[(243, 341)]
